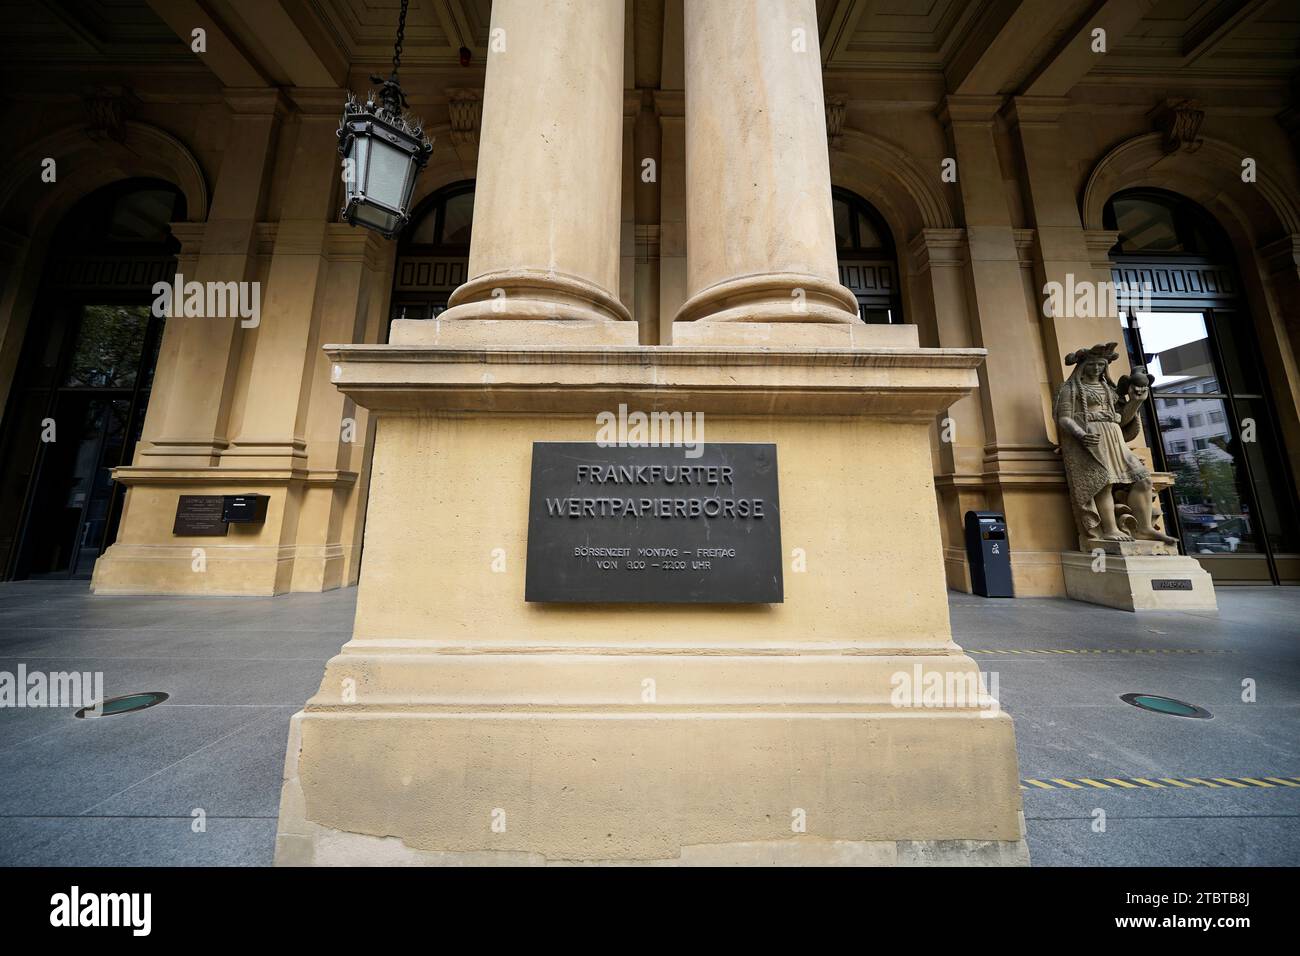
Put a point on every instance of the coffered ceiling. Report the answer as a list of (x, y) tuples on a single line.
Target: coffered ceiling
[(976, 46), (894, 34), (1202, 38), (435, 29), (86, 31)]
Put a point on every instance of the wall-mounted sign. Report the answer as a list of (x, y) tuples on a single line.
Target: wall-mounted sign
[(245, 509), (652, 525), (200, 516)]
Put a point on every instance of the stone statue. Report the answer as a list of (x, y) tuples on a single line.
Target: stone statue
[(1096, 420)]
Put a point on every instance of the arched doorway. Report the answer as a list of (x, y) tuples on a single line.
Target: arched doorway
[(84, 377), (433, 253), (868, 261), (1211, 420)]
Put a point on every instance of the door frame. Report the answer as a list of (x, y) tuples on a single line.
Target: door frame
[(1201, 284)]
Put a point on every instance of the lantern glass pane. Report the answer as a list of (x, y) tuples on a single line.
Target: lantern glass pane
[(368, 215), (357, 153), (386, 180)]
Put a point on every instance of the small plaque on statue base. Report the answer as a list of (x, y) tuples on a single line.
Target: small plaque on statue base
[(1137, 576)]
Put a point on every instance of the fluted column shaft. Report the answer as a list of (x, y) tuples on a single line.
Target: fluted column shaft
[(545, 243), (761, 233)]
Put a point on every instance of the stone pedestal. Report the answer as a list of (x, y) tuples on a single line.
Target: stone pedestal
[(1137, 576), (464, 725)]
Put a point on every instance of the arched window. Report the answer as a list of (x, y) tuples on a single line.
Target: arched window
[(867, 258), (433, 253), (1154, 222), (1210, 418)]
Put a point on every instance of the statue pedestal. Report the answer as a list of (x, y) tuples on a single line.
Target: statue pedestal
[(462, 725), (1137, 576)]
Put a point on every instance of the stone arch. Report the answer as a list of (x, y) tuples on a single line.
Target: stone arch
[(1262, 221), (1209, 174), (892, 180), (84, 164), (30, 210)]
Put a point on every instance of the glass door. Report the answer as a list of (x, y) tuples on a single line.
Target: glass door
[(97, 413), (1213, 429)]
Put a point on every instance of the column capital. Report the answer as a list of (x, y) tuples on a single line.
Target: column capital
[(257, 101), (1035, 110), (1100, 242), (1024, 243), (317, 101), (344, 243), (189, 235), (963, 110), (937, 247), (1281, 255)]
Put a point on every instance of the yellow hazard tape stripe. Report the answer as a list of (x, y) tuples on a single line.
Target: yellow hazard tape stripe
[(1159, 783), (1086, 650)]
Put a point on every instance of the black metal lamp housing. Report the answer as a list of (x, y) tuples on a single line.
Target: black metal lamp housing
[(383, 151)]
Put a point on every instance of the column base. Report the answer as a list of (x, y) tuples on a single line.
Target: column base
[(779, 297), (534, 295), (795, 335), (475, 333), (227, 571), (1140, 579), (681, 790), (261, 559)]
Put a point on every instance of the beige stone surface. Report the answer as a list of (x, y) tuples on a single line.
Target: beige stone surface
[(253, 559), (1125, 582), (761, 240), (456, 333), (457, 704), (255, 163), (552, 132), (799, 334)]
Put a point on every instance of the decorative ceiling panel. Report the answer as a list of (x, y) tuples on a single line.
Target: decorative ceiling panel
[(81, 31), (892, 34), (1210, 38), (435, 29)]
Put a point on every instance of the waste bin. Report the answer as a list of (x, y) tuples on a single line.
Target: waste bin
[(989, 554)]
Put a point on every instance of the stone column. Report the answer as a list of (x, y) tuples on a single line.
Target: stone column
[(1022, 474), (546, 233), (1061, 248), (189, 410), (760, 228)]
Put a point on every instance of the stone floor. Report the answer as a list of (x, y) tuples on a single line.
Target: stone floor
[(124, 791)]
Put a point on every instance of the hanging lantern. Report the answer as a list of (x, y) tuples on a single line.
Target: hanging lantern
[(383, 150)]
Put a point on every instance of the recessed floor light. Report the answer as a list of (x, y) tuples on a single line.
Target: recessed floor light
[(126, 704), (1165, 705)]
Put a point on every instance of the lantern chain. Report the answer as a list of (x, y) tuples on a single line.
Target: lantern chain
[(401, 33)]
